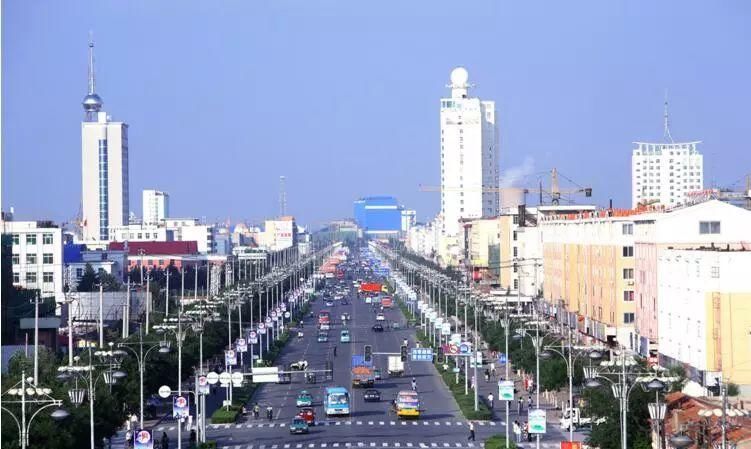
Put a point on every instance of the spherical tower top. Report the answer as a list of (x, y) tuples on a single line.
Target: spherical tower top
[(459, 77), (92, 103)]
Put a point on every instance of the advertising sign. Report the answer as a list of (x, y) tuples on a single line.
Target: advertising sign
[(253, 337), (506, 390), (261, 328), (456, 338), (230, 357), (180, 407), (446, 329), (241, 345), (203, 385), (143, 440), (537, 421)]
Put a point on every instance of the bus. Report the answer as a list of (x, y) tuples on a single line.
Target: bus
[(407, 404), (336, 401), (324, 320)]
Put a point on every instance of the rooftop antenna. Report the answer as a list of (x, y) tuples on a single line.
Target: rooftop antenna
[(282, 197), (92, 77), (666, 121), (92, 103)]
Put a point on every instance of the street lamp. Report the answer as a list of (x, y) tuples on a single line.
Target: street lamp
[(27, 392)]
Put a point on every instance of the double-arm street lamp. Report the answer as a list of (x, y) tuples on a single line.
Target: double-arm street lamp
[(110, 361), (26, 393)]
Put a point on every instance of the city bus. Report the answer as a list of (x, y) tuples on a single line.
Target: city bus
[(336, 401), (324, 320), (407, 404)]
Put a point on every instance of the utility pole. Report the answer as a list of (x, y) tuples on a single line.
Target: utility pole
[(166, 294), (36, 338), (148, 300), (101, 315)]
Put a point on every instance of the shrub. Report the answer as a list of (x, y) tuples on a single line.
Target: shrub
[(499, 442), (228, 416)]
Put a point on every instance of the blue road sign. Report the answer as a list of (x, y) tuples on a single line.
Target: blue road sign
[(502, 358), (422, 354)]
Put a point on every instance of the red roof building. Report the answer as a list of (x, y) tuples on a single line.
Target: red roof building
[(159, 254)]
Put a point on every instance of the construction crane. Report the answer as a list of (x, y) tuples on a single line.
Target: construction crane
[(554, 193)]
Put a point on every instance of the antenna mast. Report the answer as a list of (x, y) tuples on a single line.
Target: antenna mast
[(282, 197), (92, 80), (666, 121)]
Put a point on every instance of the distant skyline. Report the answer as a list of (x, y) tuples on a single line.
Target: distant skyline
[(343, 98)]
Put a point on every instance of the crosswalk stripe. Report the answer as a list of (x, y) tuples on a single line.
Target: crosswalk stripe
[(380, 423), (458, 444), (272, 424), (482, 423), (423, 445), (238, 426), (404, 423), (359, 423), (471, 444), (324, 444), (458, 423), (171, 428), (263, 446), (492, 423), (311, 445), (226, 426), (338, 423), (445, 445), (433, 444), (437, 423), (298, 445), (370, 423), (427, 423), (393, 423), (385, 444), (397, 444), (409, 444), (336, 444), (160, 428), (372, 444), (274, 446), (448, 423), (349, 423), (286, 446), (282, 424)]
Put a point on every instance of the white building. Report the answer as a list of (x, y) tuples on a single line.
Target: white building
[(664, 173), (36, 256), (280, 233), (155, 206), (190, 229), (104, 167), (409, 218), (114, 262), (469, 156), (141, 233)]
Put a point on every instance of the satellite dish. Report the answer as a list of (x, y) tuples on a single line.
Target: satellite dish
[(459, 77)]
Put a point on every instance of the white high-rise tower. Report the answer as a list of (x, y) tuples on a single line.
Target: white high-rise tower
[(155, 206), (469, 156), (104, 166)]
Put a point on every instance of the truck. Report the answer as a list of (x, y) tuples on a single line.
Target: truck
[(370, 287), (362, 372), (396, 366), (387, 302), (572, 418)]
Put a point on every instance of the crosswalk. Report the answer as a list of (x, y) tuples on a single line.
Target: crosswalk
[(360, 444), (369, 423)]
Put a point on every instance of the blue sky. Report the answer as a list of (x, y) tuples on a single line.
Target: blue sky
[(342, 97)]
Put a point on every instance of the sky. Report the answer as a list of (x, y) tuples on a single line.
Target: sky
[(342, 97)]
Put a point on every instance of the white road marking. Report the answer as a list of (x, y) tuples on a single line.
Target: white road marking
[(336, 444), (370, 423), (238, 426), (409, 444), (298, 445), (492, 423), (433, 444), (372, 444), (397, 444), (448, 423), (385, 444), (274, 446), (272, 424), (437, 423), (426, 423), (459, 423), (458, 444), (324, 445), (393, 423), (482, 423), (359, 423), (171, 428), (160, 428), (380, 423), (404, 423), (282, 424), (445, 445), (226, 426), (286, 446), (263, 446), (338, 423)]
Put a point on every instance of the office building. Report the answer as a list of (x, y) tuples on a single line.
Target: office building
[(104, 167), (664, 173), (279, 234), (155, 207), (141, 233), (469, 156), (190, 229)]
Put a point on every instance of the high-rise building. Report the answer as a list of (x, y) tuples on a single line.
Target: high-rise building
[(664, 173), (155, 206), (469, 156), (104, 166)]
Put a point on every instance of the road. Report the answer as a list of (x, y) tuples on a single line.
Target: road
[(370, 423)]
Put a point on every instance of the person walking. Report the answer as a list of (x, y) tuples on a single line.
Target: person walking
[(414, 384), (517, 431), (165, 441), (529, 402), (334, 351), (490, 400), (487, 375), (492, 369), (519, 406), (526, 430), (471, 431)]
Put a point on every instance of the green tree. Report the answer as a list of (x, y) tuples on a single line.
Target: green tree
[(88, 280)]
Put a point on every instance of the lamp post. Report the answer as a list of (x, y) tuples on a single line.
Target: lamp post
[(110, 360), (26, 392), (163, 347)]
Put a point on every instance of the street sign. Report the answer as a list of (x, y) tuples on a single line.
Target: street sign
[(241, 345), (287, 315), (230, 357), (180, 407), (265, 375), (446, 328), (237, 378), (422, 354), (502, 358), (203, 385), (225, 378), (506, 390), (165, 391), (212, 378), (537, 421), (465, 348)]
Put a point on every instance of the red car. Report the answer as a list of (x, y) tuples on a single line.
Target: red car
[(308, 415)]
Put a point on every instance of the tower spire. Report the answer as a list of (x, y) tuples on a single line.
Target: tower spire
[(92, 78), (92, 103), (666, 121)]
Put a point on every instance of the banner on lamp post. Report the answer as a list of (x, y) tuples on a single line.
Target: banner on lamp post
[(143, 439), (506, 390), (180, 407), (230, 357)]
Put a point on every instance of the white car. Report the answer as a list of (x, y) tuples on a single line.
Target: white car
[(380, 317)]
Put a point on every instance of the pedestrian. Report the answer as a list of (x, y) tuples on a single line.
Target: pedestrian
[(487, 376), (519, 406), (518, 431), (334, 351), (165, 441), (471, 431), (529, 402), (529, 434), (492, 369), (490, 400)]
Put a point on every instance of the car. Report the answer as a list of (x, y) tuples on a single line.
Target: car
[(304, 399), (377, 327), (377, 374), (380, 317), (298, 426), (345, 302), (307, 414), (345, 316), (300, 365), (329, 303), (323, 337), (372, 395), (344, 336)]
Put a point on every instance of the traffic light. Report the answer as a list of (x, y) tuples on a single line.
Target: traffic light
[(368, 353), (440, 354), (404, 353)]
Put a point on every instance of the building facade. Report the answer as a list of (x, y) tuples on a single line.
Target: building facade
[(190, 229), (155, 207), (141, 233), (104, 167), (469, 156), (664, 173), (280, 233)]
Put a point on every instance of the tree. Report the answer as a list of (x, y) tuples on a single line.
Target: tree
[(88, 280)]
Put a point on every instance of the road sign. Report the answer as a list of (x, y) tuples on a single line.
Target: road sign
[(225, 378), (230, 357), (502, 358), (287, 315), (537, 421), (165, 391), (212, 378), (422, 354), (253, 335), (465, 348), (180, 407), (506, 390), (237, 378), (265, 375), (273, 315), (261, 326), (446, 328)]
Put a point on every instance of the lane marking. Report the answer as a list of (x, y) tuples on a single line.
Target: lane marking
[(380, 423)]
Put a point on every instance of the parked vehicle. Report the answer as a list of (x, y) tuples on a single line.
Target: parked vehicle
[(572, 417)]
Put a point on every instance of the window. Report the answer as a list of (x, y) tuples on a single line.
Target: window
[(31, 239), (16, 278), (47, 277), (627, 229), (715, 272), (31, 277), (628, 295), (16, 239), (516, 268), (516, 251), (47, 239), (628, 318), (15, 259), (47, 258), (628, 251), (31, 259), (79, 272), (514, 235), (516, 284), (516, 219), (628, 273), (709, 227)]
